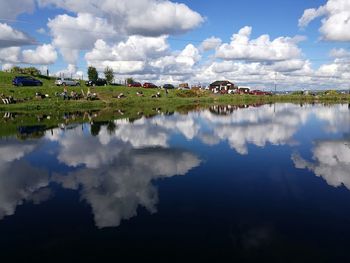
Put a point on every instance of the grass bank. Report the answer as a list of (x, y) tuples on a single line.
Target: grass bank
[(27, 101)]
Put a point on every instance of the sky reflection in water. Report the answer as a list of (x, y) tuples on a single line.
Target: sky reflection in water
[(120, 169)]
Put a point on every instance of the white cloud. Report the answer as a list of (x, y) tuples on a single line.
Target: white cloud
[(189, 56), (45, 54), (42, 55), (7, 66), (10, 55), (10, 37), (290, 65), (41, 31), (144, 56), (259, 49), (336, 22), (73, 34), (210, 43), (339, 53), (137, 17), (311, 14), (70, 71), (11, 9), (135, 48)]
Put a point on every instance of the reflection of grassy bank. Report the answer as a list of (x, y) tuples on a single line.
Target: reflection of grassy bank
[(33, 124)]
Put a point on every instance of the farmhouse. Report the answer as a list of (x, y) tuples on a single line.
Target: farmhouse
[(222, 86)]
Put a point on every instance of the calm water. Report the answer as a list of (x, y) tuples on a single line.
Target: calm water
[(226, 184)]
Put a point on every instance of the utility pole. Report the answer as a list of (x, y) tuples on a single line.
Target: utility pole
[(275, 82)]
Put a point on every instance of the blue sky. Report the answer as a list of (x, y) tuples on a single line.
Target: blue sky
[(304, 42)]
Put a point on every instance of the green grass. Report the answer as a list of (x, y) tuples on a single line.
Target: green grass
[(174, 99)]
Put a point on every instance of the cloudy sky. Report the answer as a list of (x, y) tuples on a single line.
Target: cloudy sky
[(299, 44)]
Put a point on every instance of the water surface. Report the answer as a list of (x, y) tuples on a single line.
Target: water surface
[(227, 183)]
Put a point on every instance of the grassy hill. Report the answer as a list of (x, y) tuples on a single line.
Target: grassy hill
[(6, 79), (27, 101)]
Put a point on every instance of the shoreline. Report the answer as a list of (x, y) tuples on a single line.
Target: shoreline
[(107, 98)]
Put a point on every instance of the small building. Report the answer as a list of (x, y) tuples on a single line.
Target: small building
[(222, 86), (184, 86)]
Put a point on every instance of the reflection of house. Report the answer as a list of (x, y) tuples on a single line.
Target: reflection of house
[(222, 109), (229, 109), (222, 86)]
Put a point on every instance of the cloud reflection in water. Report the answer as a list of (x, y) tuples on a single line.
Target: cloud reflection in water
[(115, 170)]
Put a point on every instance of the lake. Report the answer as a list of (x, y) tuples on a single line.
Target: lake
[(247, 183)]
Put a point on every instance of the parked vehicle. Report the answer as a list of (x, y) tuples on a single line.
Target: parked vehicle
[(98, 82), (149, 85), (168, 86), (259, 93), (66, 82), (26, 81), (135, 85)]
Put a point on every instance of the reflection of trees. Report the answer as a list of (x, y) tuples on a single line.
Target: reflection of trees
[(111, 127), (34, 132), (331, 162)]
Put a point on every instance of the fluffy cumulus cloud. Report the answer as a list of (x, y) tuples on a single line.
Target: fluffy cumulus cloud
[(130, 56), (10, 55), (10, 37), (11, 41), (339, 53), (71, 71), (125, 22), (210, 43), (144, 56), (42, 55), (72, 34), (259, 49), (137, 17), (336, 22), (45, 54)]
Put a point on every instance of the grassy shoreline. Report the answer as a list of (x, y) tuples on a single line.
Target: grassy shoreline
[(27, 101)]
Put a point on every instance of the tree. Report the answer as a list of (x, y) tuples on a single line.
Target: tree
[(130, 81), (109, 74), (32, 71), (29, 70), (16, 69), (92, 73)]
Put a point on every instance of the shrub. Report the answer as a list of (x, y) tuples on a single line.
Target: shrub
[(189, 93)]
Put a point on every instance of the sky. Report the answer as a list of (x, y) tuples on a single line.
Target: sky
[(296, 44)]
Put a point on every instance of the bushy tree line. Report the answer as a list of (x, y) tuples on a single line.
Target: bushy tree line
[(29, 70), (93, 74)]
